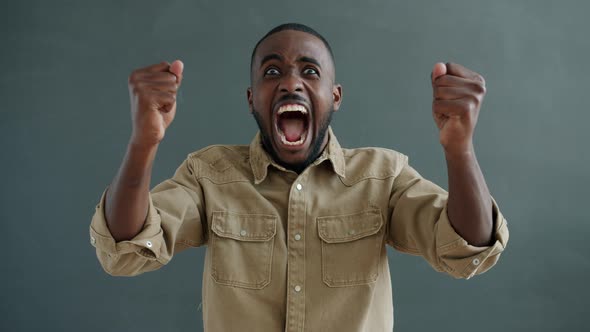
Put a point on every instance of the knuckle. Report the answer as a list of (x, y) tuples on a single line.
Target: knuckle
[(171, 77), (446, 80), (164, 77), (165, 96), (478, 87), (170, 86), (479, 98), (472, 104), (481, 88)]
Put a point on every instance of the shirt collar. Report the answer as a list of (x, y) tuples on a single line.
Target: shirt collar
[(260, 160)]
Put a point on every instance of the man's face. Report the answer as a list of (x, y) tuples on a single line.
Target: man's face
[(293, 96)]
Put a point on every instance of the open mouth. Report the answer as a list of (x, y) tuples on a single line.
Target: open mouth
[(292, 124)]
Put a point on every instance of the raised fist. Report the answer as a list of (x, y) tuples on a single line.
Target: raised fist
[(457, 97), (152, 91)]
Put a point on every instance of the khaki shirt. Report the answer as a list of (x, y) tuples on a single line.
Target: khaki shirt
[(296, 252)]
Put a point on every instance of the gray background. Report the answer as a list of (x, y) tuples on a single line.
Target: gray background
[(65, 123)]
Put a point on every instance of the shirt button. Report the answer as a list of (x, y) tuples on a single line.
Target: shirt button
[(475, 261), (297, 237), (148, 244), (351, 232), (298, 288), (299, 186), (92, 240), (243, 232)]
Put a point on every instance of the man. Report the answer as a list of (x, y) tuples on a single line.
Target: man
[(295, 225)]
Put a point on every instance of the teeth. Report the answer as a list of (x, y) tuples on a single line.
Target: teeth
[(284, 139), (292, 108)]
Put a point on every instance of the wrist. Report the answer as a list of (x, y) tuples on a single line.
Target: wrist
[(460, 153), (141, 145), (143, 151)]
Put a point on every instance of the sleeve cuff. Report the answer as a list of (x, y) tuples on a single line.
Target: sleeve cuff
[(462, 260), (147, 243)]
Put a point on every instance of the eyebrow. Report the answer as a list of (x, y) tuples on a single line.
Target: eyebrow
[(275, 56), (310, 60), (269, 57)]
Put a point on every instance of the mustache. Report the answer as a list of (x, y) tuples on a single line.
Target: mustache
[(292, 96)]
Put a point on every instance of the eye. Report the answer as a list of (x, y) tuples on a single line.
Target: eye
[(272, 72), (310, 71)]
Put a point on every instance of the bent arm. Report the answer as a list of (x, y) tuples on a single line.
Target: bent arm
[(126, 203), (470, 204)]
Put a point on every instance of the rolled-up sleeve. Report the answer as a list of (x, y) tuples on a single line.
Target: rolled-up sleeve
[(419, 225), (173, 223)]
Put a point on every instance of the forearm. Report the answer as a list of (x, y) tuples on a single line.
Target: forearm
[(470, 204), (126, 202)]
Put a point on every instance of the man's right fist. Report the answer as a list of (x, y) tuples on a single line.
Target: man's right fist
[(152, 91)]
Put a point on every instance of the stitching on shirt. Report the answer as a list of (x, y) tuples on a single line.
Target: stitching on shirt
[(218, 157), (224, 281), (452, 245), (221, 168), (380, 176), (445, 267), (222, 182), (396, 161), (405, 249), (366, 231), (189, 243), (370, 275), (162, 261), (196, 154), (189, 192)]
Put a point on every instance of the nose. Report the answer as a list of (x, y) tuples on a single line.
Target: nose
[(290, 83)]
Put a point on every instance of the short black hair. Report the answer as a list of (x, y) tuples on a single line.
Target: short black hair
[(296, 27)]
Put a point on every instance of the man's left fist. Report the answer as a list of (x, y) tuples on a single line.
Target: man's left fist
[(457, 96)]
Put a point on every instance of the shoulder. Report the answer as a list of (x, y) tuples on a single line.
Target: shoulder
[(372, 162), (215, 153), (215, 161)]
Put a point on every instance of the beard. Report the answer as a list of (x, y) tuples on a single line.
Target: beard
[(316, 146)]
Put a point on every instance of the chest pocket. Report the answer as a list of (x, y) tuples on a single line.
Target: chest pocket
[(241, 249), (352, 246)]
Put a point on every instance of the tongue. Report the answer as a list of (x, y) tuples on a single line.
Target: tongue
[(293, 129)]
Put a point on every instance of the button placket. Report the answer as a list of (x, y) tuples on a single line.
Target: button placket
[(296, 254)]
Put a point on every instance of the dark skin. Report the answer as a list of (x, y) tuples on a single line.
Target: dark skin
[(457, 96), (293, 64), (296, 63)]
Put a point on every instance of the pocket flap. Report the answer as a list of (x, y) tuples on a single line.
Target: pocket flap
[(244, 227), (336, 229)]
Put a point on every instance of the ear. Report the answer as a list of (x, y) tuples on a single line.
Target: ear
[(249, 97), (337, 96)]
